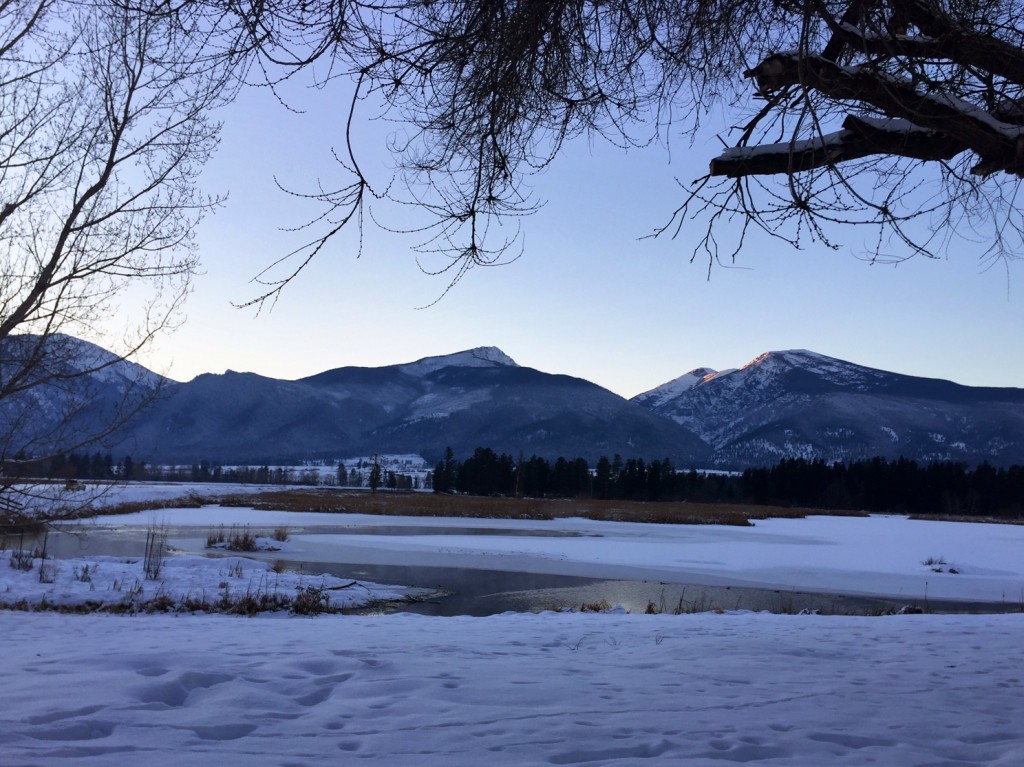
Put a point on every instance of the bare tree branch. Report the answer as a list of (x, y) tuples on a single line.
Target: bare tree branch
[(105, 123), (860, 138), (489, 92)]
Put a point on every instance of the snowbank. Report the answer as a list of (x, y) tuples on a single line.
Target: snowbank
[(178, 582)]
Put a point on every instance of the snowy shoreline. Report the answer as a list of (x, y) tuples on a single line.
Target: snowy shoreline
[(233, 584)]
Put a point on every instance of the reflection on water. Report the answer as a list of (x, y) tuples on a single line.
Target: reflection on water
[(489, 592), (436, 530), (69, 542)]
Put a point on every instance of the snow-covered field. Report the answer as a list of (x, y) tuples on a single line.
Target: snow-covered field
[(552, 688), (548, 689)]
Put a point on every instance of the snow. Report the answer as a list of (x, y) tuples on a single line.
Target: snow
[(406, 462), (892, 124), (944, 101), (551, 688), (325, 472), (890, 433), (122, 582), (836, 140), (548, 689), (723, 407), (101, 364), (793, 146), (975, 112), (482, 356), (443, 403), (128, 492), (835, 370), (661, 395)]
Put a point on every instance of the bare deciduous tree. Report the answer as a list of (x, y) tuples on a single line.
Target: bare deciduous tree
[(903, 116), (104, 125)]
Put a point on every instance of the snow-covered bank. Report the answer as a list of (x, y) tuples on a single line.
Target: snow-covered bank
[(183, 582), (876, 556), (549, 689)]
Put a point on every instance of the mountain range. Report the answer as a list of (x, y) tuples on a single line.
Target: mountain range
[(801, 404), (782, 404)]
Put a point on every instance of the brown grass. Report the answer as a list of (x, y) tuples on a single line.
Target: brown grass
[(192, 501), (965, 518), (15, 526), (435, 505), (330, 500)]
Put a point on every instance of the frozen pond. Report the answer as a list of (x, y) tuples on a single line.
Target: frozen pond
[(488, 567)]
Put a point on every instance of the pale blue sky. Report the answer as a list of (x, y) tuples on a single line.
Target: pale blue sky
[(587, 298)]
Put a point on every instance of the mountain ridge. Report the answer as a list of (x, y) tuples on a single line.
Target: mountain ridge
[(467, 399), (789, 403), (797, 403)]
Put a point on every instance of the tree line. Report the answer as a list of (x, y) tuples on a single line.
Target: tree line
[(94, 465), (902, 485), (874, 485), (102, 466), (487, 473)]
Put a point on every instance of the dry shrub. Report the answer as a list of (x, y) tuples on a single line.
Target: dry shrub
[(49, 569), (213, 538), (21, 560), (964, 518), (242, 540), (237, 539), (193, 603), (153, 561), (85, 573), (310, 600), (161, 603)]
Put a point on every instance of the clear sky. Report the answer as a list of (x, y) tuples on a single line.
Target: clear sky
[(587, 298)]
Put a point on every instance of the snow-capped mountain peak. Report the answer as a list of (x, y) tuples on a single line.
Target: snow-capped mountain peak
[(798, 403), (480, 357), (659, 395), (836, 371), (791, 358), (68, 357)]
